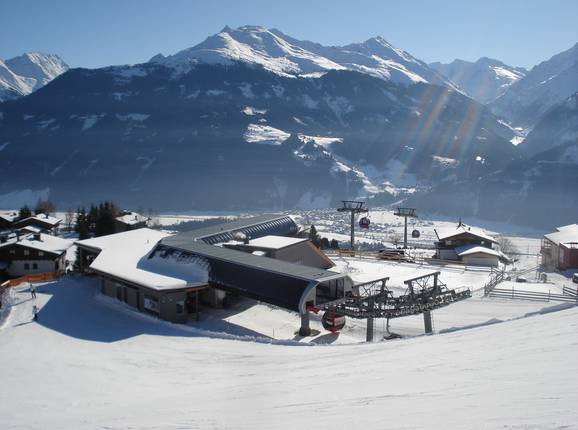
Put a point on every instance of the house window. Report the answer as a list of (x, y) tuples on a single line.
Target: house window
[(26, 266), (180, 307), (26, 252), (12, 251), (40, 254), (34, 266)]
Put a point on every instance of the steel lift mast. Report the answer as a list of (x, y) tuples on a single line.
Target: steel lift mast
[(405, 213), (353, 208)]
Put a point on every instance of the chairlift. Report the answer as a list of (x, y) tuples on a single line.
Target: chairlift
[(333, 321), (364, 222)]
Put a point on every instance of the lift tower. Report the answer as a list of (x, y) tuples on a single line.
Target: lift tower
[(405, 213), (353, 208)]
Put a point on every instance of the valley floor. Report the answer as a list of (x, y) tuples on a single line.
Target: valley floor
[(87, 365)]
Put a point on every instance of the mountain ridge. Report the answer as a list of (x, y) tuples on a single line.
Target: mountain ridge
[(21, 75)]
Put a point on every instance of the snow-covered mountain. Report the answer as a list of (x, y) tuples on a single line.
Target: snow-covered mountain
[(286, 56), (483, 80), (538, 188), (21, 75), (236, 137), (545, 85), (556, 130)]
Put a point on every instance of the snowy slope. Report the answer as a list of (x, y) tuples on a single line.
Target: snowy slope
[(559, 126), (21, 75), (545, 85), (11, 84), (483, 80), (86, 365), (287, 56)]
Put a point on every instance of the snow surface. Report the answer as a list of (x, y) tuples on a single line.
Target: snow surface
[(46, 219), (265, 135), (19, 76), (286, 56), (131, 218), (473, 249), (445, 233), (140, 117), (47, 243), (125, 256), (275, 242), (324, 141), (250, 111), (83, 358)]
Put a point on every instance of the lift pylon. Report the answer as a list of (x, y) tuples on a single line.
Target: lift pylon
[(354, 208), (405, 213)]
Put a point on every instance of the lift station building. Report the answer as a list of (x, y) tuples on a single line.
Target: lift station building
[(168, 275)]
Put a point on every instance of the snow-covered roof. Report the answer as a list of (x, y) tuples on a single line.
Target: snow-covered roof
[(47, 219), (476, 249), (9, 216), (275, 242), (126, 256), (46, 243), (31, 229), (131, 218), (138, 237), (447, 233), (565, 234)]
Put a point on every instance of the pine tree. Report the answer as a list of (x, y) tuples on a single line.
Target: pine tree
[(82, 226), (105, 218), (314, 237), (24, 213)]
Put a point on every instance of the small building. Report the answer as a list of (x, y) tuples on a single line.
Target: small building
[(47, 223), (290, 249), (129, 273), (31, 254), (7, 219), (560, 249), (128, 220), (469, 245)]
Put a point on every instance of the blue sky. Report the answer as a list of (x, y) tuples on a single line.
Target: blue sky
[(88, 33)]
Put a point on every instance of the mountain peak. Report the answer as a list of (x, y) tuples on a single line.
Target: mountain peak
[(27, 72), (286, 56)]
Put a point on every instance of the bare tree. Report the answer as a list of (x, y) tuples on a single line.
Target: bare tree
[(69, 219), (507, 246), (395, 238)]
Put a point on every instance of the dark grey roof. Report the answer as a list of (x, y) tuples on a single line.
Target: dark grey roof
[(271, 265), (277, 282), (254, 227)]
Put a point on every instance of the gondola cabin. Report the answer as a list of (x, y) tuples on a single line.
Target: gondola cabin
[(333, 321), (364, 222)]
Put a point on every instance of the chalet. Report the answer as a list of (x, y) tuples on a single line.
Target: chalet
[(7, 219), (168, 275), (560, 249), (32, 254), (468, 245), (128, 220), (47, 223)]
